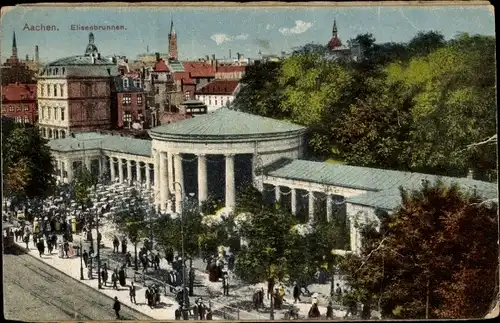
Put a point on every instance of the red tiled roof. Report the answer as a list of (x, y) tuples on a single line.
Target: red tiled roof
[(334, 43), (13, 92), (185, 77), (160, 66), (132, 75), (224, 87), (199, 69), (231, 68)]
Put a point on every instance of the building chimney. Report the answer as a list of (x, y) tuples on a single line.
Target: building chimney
[(36, 55), (157, 57), (230, 54), (213, 57), (207, 58), (238, 55), (27, 58)]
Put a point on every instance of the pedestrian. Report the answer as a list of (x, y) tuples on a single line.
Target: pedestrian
[(104, 276), (132, 293), (128, 259), (185, 312), (270, 286), (116, 244), (35, 240), (121, 276), (124, 245), (209, 314), (329, 310), (201, 310), (85, 257), (338, 293), (66, 248), (26, 240), (225, 284), (157, 261), (296, 292), (314, 311), (114, 280), (40, 246), (148, 297), (117, 307), (178, 313)]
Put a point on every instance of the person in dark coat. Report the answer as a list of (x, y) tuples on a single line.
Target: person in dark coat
[(178, 312), (66, 248), (121, 276), (169, 255), (270, 287), (157, 261), (314, 311), (149, 299), (225, 284), (116, 244), (209, 314), (124, 245), (329, 310), (296, 292), (85, 257), (212, 272), (185, 313), (40, 246), (26, 240), (201, 310), (104, 276), (132, 293), (117, 307), (128, 259), (114, 280)]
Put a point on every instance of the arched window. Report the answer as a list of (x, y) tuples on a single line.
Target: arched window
[(63, 134), (62, 90), (48, 90), (56, 134), (44, 132), (42, 110), (63, 70), (42, 90), (55, 113), (62, 114), (50, 133), (55, 89)]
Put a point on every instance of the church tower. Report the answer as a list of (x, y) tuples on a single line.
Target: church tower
[(334, 42), (172, 42), (14, 47)]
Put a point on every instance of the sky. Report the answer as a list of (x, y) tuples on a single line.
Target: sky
[(216, 30)]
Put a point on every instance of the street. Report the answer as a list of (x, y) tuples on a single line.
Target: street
[(34, 291)]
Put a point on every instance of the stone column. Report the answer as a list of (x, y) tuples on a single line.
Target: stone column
[(148, 175), (69, 162), (202, 179), (163, 180), (138, 171), (277, 193), (170, 171), (179, 178), (311, 206), (88, 164), (112, 168), (120, 170), (329, 210), (230, 184), (294, 201), (129, 170)]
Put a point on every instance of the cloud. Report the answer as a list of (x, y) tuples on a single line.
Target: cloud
[(299, 28), (263, 43), (220, 38), (223, 38)]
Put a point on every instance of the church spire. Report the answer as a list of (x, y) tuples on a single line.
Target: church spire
[(172, 30), (14, 46), (334, 30), (172, 42)]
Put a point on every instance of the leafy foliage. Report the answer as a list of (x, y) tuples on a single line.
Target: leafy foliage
[(83, 184), (27, 162), (131, 219), (441, 237)]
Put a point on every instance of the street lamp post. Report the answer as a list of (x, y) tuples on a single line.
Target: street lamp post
[(99, 285), (184, 294), (81, 260)]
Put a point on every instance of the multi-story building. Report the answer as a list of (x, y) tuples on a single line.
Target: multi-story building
[(19, 102), (74, 93), (218, 94), (15, 70), (128, 103)]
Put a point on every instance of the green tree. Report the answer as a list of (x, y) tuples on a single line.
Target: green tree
[(24, 146), (453, 106), (131, 220), (82, 185), (440, 245), (260, 92), (425, 43)]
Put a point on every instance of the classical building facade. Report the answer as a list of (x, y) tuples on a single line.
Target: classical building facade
[(218, 94), (74, 93), (215, 155)]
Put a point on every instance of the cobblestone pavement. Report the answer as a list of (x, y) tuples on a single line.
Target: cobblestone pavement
[(34, 291)]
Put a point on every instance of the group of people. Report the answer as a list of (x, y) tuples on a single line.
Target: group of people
[(117, 276), (153, 296), (200, 311)]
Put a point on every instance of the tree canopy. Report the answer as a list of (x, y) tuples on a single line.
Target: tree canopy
[(441, 243), (27, 162)]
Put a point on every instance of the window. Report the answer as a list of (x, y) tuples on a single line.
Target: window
[(139, 99), (63, 70), (55, 89), (18, 108), (215, 101), (57, 71), (62, 90), (222, 102), (157, 90), (186, 95), (137, 83), (26, 119), (127, 99), (125, 82), (63, 134), (127, 118), (62, 114), (43, 113), (23, 97), (55, 113), (42, 90), (49, 113), (26, 108), (48, 90)]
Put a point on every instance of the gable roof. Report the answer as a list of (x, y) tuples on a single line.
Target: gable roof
[(220, 87), (14, 92), (199, 69), (225, 124), (382, 185)]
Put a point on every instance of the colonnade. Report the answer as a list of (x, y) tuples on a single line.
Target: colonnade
[(53, 133), (311, 195), (170, 180)]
